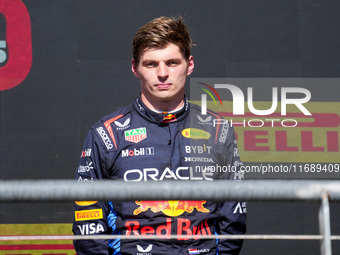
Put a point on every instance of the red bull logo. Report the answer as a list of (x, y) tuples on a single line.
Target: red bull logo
[(170, 208), (173, 209), (170, 117), (184, 228)]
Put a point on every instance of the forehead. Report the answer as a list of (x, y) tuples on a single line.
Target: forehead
[(169, 51)]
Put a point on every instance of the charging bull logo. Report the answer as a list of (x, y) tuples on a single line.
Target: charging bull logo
[(155, 206), (188, 206), (170, 208)]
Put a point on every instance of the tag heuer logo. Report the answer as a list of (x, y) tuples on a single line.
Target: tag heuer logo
[(135, 135)]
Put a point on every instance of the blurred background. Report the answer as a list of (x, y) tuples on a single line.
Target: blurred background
[(77, 57)]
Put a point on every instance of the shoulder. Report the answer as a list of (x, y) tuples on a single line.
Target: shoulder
[(116, 117), (208, 117), (211, 122), (106, 133)]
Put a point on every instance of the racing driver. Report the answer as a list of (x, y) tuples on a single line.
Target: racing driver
[(160, 137)]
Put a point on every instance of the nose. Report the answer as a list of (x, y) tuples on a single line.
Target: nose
[(162, 72)]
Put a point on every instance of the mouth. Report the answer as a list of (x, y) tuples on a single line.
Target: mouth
[(163, 86)]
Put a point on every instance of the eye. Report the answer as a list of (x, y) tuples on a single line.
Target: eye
[(173, 63), (150, 64)]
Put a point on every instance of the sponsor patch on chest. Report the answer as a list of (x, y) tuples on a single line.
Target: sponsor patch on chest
[(135, 135)]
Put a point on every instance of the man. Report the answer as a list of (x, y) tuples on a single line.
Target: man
[(156, 139)]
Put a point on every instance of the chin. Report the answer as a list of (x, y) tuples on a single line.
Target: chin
[(167, 98)]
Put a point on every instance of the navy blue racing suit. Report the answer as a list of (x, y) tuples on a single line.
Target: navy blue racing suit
[(135, 144)]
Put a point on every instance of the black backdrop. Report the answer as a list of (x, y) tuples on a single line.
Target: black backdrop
[(81, 68)]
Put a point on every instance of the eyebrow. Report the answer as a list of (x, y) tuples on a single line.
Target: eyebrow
[(153, 60)]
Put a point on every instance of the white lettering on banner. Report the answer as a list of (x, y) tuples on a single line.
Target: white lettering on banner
[(238, 100), (105, 138), (219, 121), (257, 122), (92, 228)]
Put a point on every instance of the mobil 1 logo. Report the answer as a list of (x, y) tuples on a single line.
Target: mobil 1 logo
[(138, 152)]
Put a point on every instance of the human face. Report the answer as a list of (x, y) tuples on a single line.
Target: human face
[(162, 73)]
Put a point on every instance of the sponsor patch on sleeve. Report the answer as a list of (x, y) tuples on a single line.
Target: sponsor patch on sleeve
[(94, 214)]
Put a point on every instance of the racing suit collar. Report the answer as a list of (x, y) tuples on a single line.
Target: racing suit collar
[(161, 118)]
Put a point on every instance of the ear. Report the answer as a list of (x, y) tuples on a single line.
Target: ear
[(191, 65), (134, 68)]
